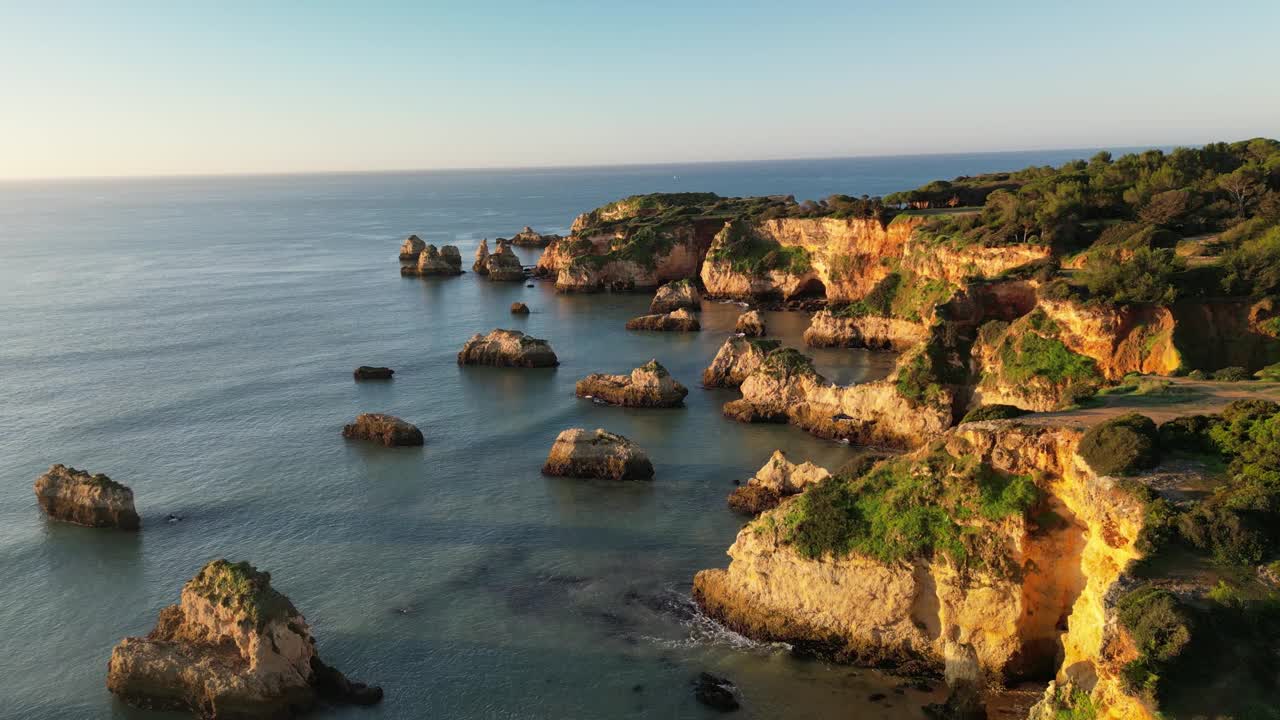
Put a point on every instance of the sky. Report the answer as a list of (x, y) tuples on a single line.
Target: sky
[(130, 88)]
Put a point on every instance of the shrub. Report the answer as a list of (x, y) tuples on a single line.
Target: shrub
[(993, 412), (1148, 276), (1197, 375), (1231, 374), (1270, 373), (1189, 433), (1160, 628), (1121, 446)]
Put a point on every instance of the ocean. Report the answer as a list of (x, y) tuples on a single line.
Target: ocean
[(194, 339)]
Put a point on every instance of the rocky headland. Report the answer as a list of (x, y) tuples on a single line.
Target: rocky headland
[(649, 385), (599, 454), (75, 496), (387, 430), (507, 348)]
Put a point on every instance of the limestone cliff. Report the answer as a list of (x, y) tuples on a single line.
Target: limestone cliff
[(827, 329)]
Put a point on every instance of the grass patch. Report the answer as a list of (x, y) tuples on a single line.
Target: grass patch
[(244, 589)]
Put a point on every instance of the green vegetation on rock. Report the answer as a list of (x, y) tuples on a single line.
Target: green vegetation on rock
[(993, 412), (243, 589), (1121, 445), (749, 253)]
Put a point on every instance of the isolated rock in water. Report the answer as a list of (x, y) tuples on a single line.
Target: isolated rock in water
[(481, 265), (386, 429), (679, 320), (507, 348), (715, 692), (649, 385), (233, 647), (365, 372), (433, 262), (519, 308), (676, 295), (750, 324), (452, 257), (503, 264), (597, 454), (75, 496), (528, 238), (777, 479), (737, 358), (411, 247)]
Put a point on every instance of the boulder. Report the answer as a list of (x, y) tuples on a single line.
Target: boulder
[(528, 238), (519, 308), (482, 259), (679, 321), (777, 479), (715, 692), (233, 647), (503, 264), (737, 358), (386, 429), (597, 454), (750, 324), (435, 262), (507, 348), (365, 372), (649, 385), (75, 496), (676, 295), (411, 247)]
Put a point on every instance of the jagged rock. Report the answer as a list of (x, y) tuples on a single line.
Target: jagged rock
[(386, 429), (411, 247), (737, 359), (481, 265), (716, 692), (778, 478), (676, 295), (964, 679), (365, 372), (519, 308), (447, 261), (679, 321), (233, 648), (597, 454), (503, 264), (827, 329), (649, 385), (528, 238), (750, 324), (75, 496), (507, 348)]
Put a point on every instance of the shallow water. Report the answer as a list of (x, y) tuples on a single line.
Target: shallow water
[(194, 339)]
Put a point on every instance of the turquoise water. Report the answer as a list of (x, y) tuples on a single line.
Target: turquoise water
[(194, 339)]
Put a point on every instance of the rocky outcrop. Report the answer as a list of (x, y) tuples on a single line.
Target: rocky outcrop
[(519, 308), (1024, 364), (597, 454), (387, 430), (75, 496), (649, 385), (233, 648), (737, 358), (507, 348), (366, 372), (481, 264), (676, 295), (828, 329), (528, 238), (433, 261), (676, 321), (750, 324), (778, 478), (411, 248), (957, 265), (503, 264)]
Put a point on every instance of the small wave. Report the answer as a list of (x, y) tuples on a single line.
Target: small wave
[(705, 630)]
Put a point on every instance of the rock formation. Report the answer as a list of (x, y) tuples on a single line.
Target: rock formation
[(366, 372), (827, 329), (445, 261), (597, 454), (778, 478), (481, 264), (503, 264), (519, 308), (676, 295), (385, 429), (75, 496), (232, 648), (750, 324), (737, 358), (528, 238), (411, 247), (649, 385), (507, 348), (678, 321)]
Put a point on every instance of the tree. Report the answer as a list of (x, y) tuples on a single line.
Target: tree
[(1165, 209), (1146, 277), (1243, 184)]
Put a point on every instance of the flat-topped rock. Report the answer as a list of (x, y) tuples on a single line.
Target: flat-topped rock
[(676, 295), (411, 247), (738, 357), (367, 372), (649, 385), (503, 264), (777, 479), (388, 430), (750, 324), (529, 238), (519, 308), (75, 496), (597, 453), (233, 647), (507, 348), (676, 321)]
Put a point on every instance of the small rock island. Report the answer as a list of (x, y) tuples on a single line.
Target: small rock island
[(507, 348), (387, 430), (676, 321), (599, 454), (75, 496), (649, 385)]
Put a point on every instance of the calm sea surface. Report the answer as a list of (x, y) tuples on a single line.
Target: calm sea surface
[(194, 339)]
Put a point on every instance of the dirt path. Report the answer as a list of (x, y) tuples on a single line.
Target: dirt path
[(1190, 397)]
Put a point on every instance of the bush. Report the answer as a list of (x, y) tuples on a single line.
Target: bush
[(1160, 628), (1121, 446), (993, 412), (1231, 374), (1146, 277), (1197, 375), (1270, 373), (1189, 433)]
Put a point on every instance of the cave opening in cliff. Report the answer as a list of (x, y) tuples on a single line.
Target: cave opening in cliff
[(811, 289)]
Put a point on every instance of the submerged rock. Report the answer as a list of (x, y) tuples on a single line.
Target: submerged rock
[(481, 264), (411, 247), (676, 295), (233, 647), (737, 358), (386, 429), (777, 479), (649, 385), (597, 454), (716, 692), (519, 308), (507, 348), (750, 324), (503, 264), (366, 372), (678, 321), (75, 496)]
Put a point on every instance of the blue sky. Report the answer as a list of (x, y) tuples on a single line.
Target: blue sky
[(156, 88)]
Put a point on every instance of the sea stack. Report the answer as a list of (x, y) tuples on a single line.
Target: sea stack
[(411, 247), (388, 430), (676, 295), (519, 308), (777, 479), (597, 453), (737, 358), (432, 261), (75, 496), (480, 266), (750, 324), (649, 385), (503, 265), (233, 647), (507, 348), (678, 321)]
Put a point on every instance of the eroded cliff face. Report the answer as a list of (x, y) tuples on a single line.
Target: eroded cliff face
[(1121, 340), (957, 265), (827, 329), (623, 259)]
